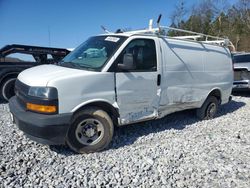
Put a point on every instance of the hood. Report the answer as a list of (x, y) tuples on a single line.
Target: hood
[(41, 75), (242, 66)]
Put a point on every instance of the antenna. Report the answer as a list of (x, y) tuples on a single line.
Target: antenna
[(104, 29), (158, 22)]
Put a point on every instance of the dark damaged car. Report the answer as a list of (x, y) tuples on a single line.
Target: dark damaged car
[(15, 58)]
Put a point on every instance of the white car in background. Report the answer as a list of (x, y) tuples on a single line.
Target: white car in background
[(241, 71)]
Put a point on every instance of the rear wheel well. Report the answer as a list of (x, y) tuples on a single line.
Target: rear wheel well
[(112, 112), (216, 93)]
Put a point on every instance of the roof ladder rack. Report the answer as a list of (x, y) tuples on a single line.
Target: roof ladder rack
[(162, 31)]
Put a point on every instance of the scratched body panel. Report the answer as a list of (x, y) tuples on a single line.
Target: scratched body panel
[(190, 71), (137, 97), (138, 94)]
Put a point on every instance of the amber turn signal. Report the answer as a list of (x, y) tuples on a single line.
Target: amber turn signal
[(41, 108)]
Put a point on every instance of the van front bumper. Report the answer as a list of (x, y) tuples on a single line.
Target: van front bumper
[(42, 128)]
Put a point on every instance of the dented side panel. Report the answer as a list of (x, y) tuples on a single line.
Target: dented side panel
[(182, 67), (190, 72), (138, 95)]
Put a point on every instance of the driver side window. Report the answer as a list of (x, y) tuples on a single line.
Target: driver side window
[(141, 53)]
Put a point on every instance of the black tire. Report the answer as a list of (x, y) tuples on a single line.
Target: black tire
[(7, 88), (208, 109), (86, 123)]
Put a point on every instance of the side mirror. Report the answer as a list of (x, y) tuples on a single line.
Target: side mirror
[(128, 62)]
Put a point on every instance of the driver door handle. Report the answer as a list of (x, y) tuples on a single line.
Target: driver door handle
[(158, 80)]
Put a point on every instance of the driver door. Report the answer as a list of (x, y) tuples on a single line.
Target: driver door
[(137, 87)]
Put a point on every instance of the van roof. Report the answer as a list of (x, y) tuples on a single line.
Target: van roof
[(162, 31), (218, 43)]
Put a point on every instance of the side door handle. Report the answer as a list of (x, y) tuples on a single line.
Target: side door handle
[(158, 80)]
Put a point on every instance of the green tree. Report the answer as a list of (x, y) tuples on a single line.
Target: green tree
[(216, 17)]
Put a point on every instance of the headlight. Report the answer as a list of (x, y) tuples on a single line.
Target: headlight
[(43, 100), (43, 92)]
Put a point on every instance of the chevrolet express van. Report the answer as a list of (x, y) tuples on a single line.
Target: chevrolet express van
[(116, 79)]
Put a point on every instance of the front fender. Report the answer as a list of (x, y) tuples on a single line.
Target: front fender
[(93, 101)]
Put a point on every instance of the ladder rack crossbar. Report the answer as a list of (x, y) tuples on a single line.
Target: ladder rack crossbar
[(191, 32), (159, 32), (194, 37)]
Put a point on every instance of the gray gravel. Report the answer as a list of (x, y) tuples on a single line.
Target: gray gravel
[(176, 151)]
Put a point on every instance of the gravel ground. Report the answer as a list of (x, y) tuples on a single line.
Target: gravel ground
[(176, 151)]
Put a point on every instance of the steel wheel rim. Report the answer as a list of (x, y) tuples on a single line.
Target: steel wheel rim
[(89, 131), (211, 110)]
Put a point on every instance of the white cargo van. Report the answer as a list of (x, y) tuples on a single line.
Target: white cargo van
[(116, 79)]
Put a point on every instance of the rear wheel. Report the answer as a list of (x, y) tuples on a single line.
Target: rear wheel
[(7, 88), (91, 130), (208, 109)]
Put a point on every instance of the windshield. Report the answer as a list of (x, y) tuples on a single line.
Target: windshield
[(242, 58), (93, 53)]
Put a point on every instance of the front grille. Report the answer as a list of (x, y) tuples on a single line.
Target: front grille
[(21, 91), (21, 87), (241, 75)]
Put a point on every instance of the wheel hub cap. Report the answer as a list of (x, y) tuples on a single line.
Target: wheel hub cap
[(89, 131), (211, 110)]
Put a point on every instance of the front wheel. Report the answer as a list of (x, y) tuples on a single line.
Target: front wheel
[(208, 109), (7, 89), (91, 130)]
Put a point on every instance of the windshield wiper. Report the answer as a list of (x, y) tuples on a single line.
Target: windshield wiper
[(68, 64), (76, 65)]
